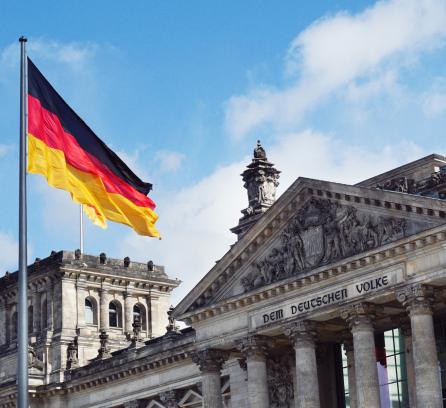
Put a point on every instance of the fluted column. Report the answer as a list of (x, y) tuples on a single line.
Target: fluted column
[(360, 319), (168, 398), (349, 353), (418, 301), (128, 313), (254, 349), (103, 306), (303, 336), (210, 362)]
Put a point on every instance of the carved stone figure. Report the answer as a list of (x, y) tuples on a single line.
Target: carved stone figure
[(104, 351), (72, 356), (400, 184), (280, 383), (322, 232), (33, 359)]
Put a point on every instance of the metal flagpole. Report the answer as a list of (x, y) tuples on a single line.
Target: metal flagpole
[(81, 228), (22, 332)]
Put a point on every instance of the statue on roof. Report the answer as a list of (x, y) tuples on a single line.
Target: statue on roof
[(259, 152)]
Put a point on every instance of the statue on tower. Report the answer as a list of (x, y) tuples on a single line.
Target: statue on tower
[(261, 181)]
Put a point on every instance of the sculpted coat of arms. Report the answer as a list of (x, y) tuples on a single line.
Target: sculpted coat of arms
[(321, 232)]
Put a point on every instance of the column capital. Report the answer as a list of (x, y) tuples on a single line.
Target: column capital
[(416, 298), (301, 332), (254, 346), (210, 360), (359, 315)]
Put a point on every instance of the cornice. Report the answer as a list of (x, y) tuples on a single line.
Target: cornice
[(111, 369)]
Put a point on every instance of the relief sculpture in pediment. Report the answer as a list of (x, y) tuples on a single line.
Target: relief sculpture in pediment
[(321, 232)]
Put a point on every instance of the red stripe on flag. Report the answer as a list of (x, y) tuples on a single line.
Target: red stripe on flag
[(46, 126)]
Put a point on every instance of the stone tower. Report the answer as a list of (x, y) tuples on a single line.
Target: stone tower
[(261, 181)]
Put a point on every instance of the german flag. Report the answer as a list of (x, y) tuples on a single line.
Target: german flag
[(63, 149)]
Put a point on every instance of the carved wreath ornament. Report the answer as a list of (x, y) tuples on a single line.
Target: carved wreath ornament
[(321, 232)]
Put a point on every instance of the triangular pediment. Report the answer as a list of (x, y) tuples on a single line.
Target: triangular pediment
[(314, 223)]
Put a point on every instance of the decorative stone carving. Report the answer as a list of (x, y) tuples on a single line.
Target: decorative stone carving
[(428, 186), (33, 359), (261, 181), (102, 258), (301, 332), (104, 351), (400, 184), (254, 346), (280, 382), (72, 355), (417, 298), (322, 231), (359, 315), (168, 398), (172, 327), (210, 360), (135, 339)]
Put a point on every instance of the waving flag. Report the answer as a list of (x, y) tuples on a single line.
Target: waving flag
[(63, 149)]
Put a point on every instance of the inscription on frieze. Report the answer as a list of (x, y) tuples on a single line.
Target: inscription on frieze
[(322, 231), (340, 293)]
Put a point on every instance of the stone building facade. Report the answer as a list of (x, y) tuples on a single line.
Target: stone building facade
[(332, 296)]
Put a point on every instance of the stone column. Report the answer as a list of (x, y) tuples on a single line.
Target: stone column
[(360, 319), (81, 294), (254, 349), (128, 313), (49, 305), (238, 381), (168, 398), (349, 352), (149, 316), (303, 336), (103, 309), (36, 312), (3, 321), (410, 369), (418, 301), (210, 362)]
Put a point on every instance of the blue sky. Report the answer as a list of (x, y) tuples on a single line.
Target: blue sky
[(337, 90)]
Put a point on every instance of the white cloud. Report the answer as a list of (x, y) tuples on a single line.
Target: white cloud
[(337, 51), (73, 54), (434, 101), (4, 149), (169, 161), (195, 221), (8, 252)]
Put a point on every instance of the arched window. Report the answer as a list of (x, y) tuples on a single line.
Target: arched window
[(30, 319), (139, 312), (89, 312), (114, 314)]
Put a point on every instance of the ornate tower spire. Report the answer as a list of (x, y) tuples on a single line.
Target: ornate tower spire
[(261, 181)]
